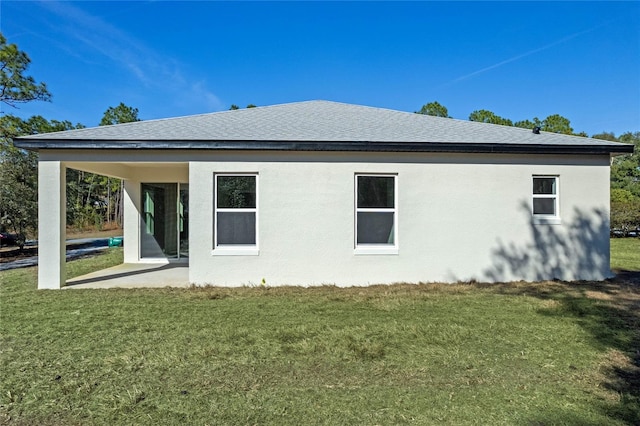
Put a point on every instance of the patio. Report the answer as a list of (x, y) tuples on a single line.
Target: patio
[(134, 275)]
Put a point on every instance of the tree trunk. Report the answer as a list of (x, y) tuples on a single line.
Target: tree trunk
[(108, 201)]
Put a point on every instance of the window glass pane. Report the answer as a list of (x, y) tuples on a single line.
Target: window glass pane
[(236, 228), (236, 192), (544, 206), (375, 191), (375, 228), (544, 185)]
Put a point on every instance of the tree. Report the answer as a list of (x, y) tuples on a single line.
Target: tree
[(18, 168), (434, 109), (234, 107), (606, 136), (557, 124), (120, 114), (114, 187), (15, 87), (621, 196), (625, 169), (94, 199), (554, 123), (529, 124), (631, 137), (625, 216), (484, 116), (625, 184), (19, 173)]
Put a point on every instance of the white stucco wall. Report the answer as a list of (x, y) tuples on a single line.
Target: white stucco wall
[(460, 217)]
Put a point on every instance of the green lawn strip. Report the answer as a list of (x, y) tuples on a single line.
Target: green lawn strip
[(625, 254), (110, 257), (402, 354)]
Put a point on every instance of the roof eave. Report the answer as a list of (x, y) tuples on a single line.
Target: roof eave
[(358, 146)]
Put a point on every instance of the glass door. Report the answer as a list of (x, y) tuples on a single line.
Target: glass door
[(165, 214), (183, 221)]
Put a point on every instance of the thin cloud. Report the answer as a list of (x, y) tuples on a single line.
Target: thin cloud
[(522, 55), (151, 69)]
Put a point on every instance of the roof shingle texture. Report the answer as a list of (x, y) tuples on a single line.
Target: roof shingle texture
[(316, 121)]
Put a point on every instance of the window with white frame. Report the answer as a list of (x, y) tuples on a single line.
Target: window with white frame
[(235, 211), (545, 198), (376, 213)]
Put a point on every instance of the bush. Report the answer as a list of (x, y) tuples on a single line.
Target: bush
[(625, 218)]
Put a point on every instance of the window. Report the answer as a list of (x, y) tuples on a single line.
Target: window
[(376, 214), (235, 214), (545, 199)]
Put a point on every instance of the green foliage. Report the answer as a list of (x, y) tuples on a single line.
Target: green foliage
[(606, 136), (120, 114), (625, 216), (236, 191), (15, 86), (18, 168), (621, 196), (554, 123), (93, 200), (529, 124), (235, 107), (18, 189), (625, 169), (108, 203), (557, 124), (435, 109), (484, 116), (19, 172)]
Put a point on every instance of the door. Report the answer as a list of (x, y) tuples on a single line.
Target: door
[(165, 212)]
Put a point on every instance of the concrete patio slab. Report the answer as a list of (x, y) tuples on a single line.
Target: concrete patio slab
[(134, 275)]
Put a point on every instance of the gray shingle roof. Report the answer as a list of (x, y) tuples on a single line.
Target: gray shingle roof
[(315, 125)]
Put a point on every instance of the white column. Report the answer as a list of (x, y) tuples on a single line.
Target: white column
[(52, 220), (200, 222), (131, 221)]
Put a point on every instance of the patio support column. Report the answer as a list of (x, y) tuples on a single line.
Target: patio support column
[(131, 221), (52, 220)]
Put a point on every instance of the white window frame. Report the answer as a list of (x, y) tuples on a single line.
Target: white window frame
[(234, 249), (368, 249), (548, 219)]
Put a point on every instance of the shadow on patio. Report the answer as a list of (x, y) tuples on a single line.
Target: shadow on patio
[(134, 275)]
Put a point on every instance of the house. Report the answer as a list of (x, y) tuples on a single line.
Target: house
[(320, 192)]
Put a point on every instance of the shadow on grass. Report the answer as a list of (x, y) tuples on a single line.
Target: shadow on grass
[(609, 310)]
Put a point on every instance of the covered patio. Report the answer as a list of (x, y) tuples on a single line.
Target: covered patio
[(134, 275), (155, 222)]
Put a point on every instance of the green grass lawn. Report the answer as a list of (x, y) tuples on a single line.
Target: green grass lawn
[(625, 254), (531, 354)]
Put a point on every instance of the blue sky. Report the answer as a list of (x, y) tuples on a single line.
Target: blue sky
[(518, 59)]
